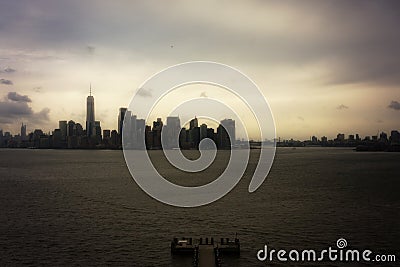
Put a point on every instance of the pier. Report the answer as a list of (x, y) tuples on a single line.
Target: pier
[(206, 252)]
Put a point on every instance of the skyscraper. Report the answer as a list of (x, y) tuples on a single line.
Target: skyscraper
[(97, 128), (229, 125), (172, 131), (62, 125), (121, 117), (203, 131), (226, 133), (71, 129), (90, 123), (193, 123), (23, 132)]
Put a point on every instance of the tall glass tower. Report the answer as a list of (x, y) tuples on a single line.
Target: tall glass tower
[(90, 123)]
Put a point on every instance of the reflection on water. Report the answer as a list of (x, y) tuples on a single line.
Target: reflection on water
[(60, 207)]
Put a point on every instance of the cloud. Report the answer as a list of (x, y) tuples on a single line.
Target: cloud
[(42, 115), (347, 51), (12, 109), (15, 108), (6, 82), (14, 96), (394, 105), (9, 70), (341, 106), (144, 92)]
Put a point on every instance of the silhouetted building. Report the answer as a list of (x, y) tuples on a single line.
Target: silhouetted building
[(340, 137), (79, 129), (324, 140), (226, 133), (171, 132), (193, 123), (121, 117), (130, 125), (395, 137), (90, 118), (194, 135), (71, 130), (211, 133), (62, 125), (314, 139), (183, 139), (203, 131), (383, 137), (23, 132), (157, 128), (37, 133), (57, 139), (106, 134), (223, 141), (97, 128), (148, 137), (114, 139)]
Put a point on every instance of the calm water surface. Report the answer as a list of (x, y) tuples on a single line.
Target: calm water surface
[(65, 207)]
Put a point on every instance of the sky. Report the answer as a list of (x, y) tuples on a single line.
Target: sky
[(324, 66)]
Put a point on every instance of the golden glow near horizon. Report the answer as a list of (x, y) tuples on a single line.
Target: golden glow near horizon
[(324, 67)]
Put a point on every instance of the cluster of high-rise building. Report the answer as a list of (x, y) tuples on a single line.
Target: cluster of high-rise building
[(171, 135), (137, 135), (176, 137)]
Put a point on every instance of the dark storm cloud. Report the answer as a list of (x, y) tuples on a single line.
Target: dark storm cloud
[(16, 107), (341, 106), (394, 105), (14, 96), (6, 82), (12, 109)]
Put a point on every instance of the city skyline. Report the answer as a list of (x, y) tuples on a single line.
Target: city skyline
[(132, 133), (316, 71), (91, 124), (71, 134)]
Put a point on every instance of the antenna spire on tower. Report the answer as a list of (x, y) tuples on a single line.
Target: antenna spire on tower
[(90, 90)]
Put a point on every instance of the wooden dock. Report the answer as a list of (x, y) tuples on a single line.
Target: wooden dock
[(206, 251), (206, 256)]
